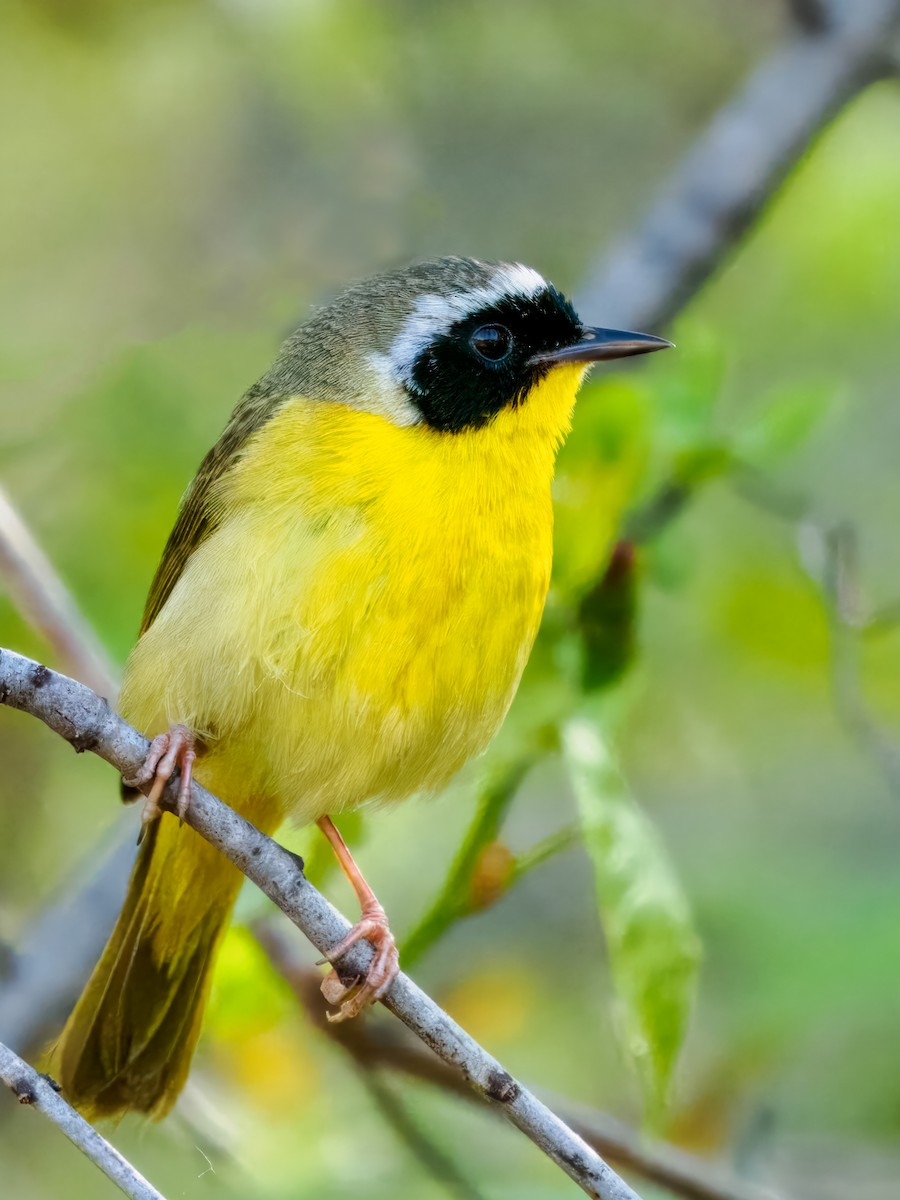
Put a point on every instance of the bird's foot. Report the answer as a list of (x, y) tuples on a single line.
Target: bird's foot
[(168, 751), (383, 970)]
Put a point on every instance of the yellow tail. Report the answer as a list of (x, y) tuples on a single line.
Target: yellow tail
[(127, 1046)]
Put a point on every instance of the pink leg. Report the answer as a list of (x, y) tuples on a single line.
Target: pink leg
[(373, 926), (167, 751)]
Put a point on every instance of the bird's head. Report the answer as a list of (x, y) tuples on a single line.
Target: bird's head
[(449, 344)]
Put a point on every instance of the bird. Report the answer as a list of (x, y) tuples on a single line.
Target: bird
[(341, 616)]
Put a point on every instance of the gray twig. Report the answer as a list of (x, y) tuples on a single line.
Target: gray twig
[(378, 1044), (87, 722), (41, 1093), (734, 169), (40, 595), (815, 16)]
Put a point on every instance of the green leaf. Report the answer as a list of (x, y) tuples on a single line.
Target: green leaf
[(653, 947), (789, 418)]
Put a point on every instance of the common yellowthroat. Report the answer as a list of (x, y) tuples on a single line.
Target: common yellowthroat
[(342, 614)]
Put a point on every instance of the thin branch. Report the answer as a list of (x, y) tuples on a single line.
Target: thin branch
[(734, 169), (378, 1044), (48, 606), (39, 1091), (813, 16), (88, 723)]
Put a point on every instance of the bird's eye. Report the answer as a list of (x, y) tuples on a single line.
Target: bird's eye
[(492, 342)]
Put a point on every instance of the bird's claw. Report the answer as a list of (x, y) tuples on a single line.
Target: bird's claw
[(384, 968), (168, 751)]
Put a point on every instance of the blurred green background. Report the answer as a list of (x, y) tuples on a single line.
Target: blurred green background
[(183, 179)]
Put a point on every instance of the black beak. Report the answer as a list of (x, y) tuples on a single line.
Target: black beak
[(596, 345)]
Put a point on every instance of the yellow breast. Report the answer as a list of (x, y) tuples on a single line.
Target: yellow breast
[(356, 627)]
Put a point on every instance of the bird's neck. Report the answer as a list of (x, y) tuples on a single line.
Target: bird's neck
[(325, 457)]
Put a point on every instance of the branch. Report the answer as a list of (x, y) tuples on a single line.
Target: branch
[(814, 16), (88, 723), (45, 602), (735, 168), (39, 1092), (373, 1044)]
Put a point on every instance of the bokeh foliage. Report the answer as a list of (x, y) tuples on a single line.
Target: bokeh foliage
[(185, 178)]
